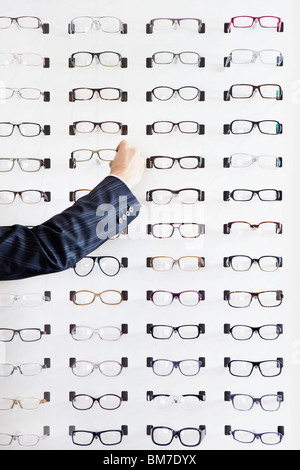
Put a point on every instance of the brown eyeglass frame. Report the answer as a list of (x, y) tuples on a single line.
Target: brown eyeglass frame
[(123, 296), (228, 93), (201, 25), (122, 128), (122, 94), (46, 195), (227, 227), (149, 261), (254, 295)]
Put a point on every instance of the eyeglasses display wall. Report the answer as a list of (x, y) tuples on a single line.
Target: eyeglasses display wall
[(181, 332)]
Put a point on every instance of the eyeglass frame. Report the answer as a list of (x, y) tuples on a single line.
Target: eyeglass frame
[(122, 397), (46, 365), (256, 19), (175, 125), (227, 95), (97, 434), (16, 91), (149, 261), (255, 54), (44, 162), (150, 396), (174, 225), (15, 437), (255, 364), (123, 95), (123, 61), (175, 329), (176, 365), (150, 162), (227, 128), (255, 329), (122, 26), (254, 295), (46, 195), (73, 161), (46, 331), (227, 195), (122, 264), (96, 365), (200, 194), (228, 396), (175, 295), (44, 26), (17, 401), (123, 296), (175, 21), (123, 128), (95, 331), (176, 55), (279, 433), (45, 60), (201, 430), (176, 92), (227, 161), (45, 129), (227, 227), (227, 262)]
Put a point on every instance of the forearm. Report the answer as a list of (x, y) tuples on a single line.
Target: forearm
[(60, 242)]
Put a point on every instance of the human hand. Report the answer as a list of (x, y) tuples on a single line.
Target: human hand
[(127, 164)]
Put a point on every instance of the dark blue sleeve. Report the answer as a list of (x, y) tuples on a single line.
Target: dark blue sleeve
[(64, 239)]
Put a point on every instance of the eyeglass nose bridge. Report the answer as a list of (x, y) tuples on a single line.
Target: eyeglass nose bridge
[(255, 55)]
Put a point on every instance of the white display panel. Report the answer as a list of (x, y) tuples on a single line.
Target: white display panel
[(214, 413)]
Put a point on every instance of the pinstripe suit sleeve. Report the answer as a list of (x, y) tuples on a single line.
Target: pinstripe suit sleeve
[(64, 239)]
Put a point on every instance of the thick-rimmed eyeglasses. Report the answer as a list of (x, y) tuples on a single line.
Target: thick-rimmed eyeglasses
[(247, 437), (242, 226), (165, 162), (165, 367), (108, 437), (25, 334), (109, 368), (165, 93), (105, 58), (246, 91), (244, 402), (245, 21), (109, 265), (25, 440), (107, 94), (185, 229), (244, 263), (244, 160), (244, 126), (266, 195), (166, 263), (26, 369), (25, 300), (25, 93), (186, 24), (28, 196), (86, 127), (188, 298), (248, 56), (187, 401), (106, 24), (189, 437), (105, 333), (30, 59), (85, 155), (28, 165), (165, 127), (241, 368), (25, 403), (246, 332), (243, 299), (26, 129), (183, 331), (24, 22), (165, 196), (167, 57), (108, 297), (109, 401)]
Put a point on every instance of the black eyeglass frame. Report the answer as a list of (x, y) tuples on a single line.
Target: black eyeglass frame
[(96, 259), (123, 61), (254, 329), (228, 396), (150, 162), (255, 365), (175, 329), (227, 195), (227, 261), (97, 435), (122, 95), (177, 434)]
